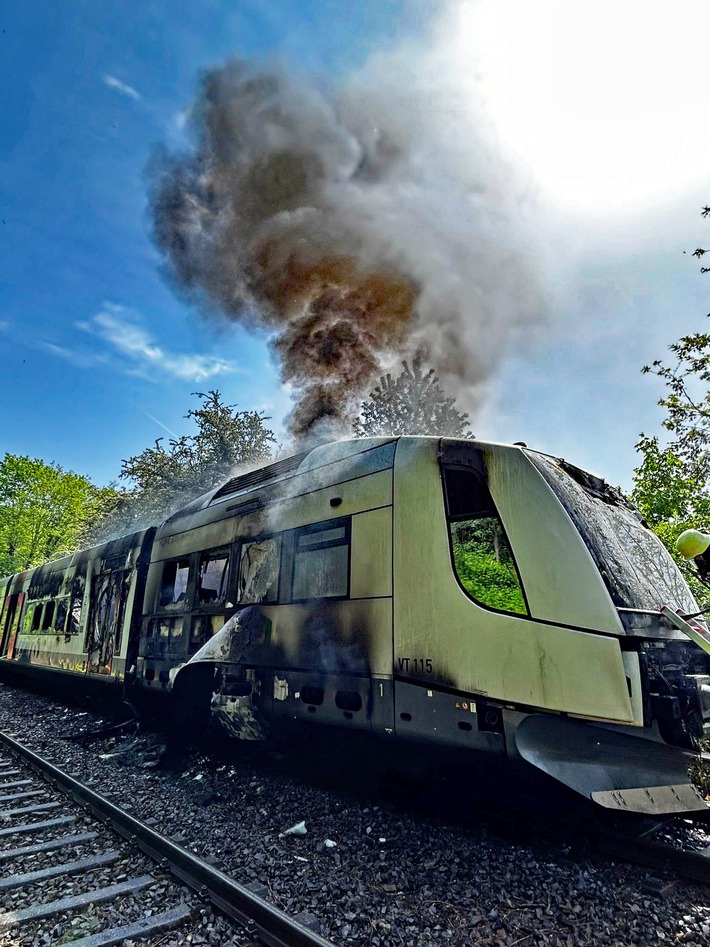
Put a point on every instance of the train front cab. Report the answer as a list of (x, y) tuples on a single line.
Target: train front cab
[(508, 630)]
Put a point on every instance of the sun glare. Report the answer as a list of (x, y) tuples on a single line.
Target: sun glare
[(604, 104)]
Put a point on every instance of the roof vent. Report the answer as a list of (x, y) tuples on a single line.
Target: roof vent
[(255, 477)]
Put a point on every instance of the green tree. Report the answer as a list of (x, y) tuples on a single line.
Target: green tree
[(671, 499), (161, 479), (43, 511), (687, 396), (664, 491), (412, 403), (687, 400), (671, 485)]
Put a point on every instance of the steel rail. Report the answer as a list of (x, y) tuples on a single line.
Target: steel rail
[(622, 843), (680, 863), (261, 919)]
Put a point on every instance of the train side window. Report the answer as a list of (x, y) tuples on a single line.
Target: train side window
[(212, 578), (77, 600), (28, 618), (481, 554), (202, 629), (321, 561), (173, 587), (48, 616), (60, 618), (37, 617), (259, 571)]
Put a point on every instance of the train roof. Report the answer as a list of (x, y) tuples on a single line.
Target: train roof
[(281, 470)]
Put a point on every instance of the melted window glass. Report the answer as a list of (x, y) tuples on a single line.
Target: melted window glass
[(482, 556), (164, 636), (634, 563), (259, 572), (173, 588), (77, 599), (60, 618), (321, 560), (203, 627), (212, 578)]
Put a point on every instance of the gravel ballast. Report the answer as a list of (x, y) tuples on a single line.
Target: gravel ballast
[(390, 878)]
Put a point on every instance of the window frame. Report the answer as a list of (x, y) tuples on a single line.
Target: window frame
[(37, 618), (314, 528), (240, 547), (232, 553), (27, 618), (76, 597), (178, 608), (48, 616), (57, 609), (474, 471)]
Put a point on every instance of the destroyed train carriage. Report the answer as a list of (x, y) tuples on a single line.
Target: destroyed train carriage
[(477, 596)]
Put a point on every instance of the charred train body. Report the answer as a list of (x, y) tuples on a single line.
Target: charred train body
[(478, 596)]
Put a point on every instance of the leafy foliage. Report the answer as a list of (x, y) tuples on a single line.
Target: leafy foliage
[(687, 401), (671, 499), (43, 511), (485, 566), (699, 252), (163, 478), (411, 403), (671, 484)]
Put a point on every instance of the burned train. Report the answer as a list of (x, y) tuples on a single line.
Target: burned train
[(477, 596)]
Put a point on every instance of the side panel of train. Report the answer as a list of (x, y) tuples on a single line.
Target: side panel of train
[(76, 619), (314, 553)]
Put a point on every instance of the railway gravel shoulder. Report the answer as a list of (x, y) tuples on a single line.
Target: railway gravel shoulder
[(391, 878), (47, 888)]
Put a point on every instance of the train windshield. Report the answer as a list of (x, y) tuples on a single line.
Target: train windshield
[(635, 565)]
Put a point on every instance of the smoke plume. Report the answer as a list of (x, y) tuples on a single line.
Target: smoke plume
[(355, 225)]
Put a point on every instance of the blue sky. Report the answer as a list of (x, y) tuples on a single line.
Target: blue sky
[(98, 355)]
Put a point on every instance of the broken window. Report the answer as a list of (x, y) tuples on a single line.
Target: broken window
[(635, 566), (212, 578), (203, 628), (28, 618), (109, 592), (173, 588), (48, 616), (481, 553), (36, 617), (321, 561), (259, 571), (164, 636), (77, 599), (60, 619)]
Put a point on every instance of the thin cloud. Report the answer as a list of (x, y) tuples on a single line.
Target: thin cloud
[(131, 341), (113, 83), (80, 359)]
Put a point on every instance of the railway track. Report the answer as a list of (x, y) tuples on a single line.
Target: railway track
[(641, 847), (627, 841), (77, 869)]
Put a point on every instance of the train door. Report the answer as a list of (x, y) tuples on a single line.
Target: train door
[(109, 594), (9, 622)]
